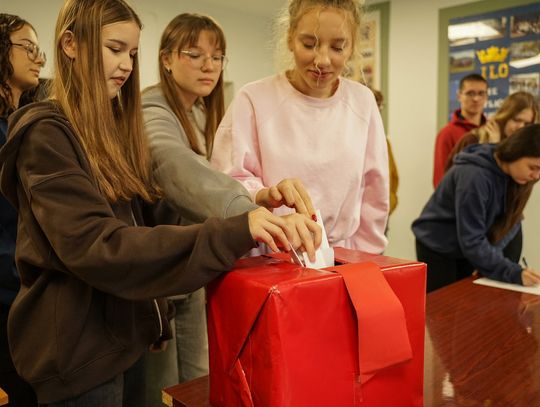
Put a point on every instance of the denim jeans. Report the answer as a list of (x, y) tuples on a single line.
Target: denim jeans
[(125, 390), (186, 355)]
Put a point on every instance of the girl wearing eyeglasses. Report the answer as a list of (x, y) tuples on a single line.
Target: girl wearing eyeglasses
[(181, 115), (20, 64)]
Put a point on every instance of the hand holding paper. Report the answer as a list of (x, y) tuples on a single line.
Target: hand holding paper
[(324, 256)]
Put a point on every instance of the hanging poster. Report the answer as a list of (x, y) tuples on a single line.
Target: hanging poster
[(367, 69), (503, 46)]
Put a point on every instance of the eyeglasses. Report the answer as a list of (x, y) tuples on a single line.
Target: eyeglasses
[(198, 60), (471, 93), (33, 52)]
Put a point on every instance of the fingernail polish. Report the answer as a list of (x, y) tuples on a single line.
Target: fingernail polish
[(314, 217)]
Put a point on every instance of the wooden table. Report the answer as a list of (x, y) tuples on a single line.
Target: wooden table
[(3, 397), (189, 394), (481, 350), (482, 347)]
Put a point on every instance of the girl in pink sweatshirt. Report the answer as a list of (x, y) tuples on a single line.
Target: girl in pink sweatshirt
[(311, 123)]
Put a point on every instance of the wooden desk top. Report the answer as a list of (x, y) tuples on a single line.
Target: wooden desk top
[(189, 394), (3, 397), (481, 350), (482, 347)]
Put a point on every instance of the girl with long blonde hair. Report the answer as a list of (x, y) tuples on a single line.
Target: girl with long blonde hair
[(310, 122)]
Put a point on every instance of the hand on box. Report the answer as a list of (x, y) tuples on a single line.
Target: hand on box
[(277, 231), (290, 192)]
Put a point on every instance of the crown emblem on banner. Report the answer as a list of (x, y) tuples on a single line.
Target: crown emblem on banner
[(492, 54)]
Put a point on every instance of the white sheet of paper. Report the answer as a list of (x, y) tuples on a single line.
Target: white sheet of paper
[(324, 255), (507, 286)]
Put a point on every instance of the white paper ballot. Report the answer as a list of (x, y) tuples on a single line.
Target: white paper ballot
[(535, 289), (324, 256)]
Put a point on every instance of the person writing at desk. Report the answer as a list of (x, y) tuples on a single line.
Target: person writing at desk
[(476, 211)]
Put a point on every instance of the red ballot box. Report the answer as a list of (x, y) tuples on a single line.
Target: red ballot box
[(350, 335)]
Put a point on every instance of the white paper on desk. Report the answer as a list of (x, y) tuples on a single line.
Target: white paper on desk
[(324, 255), (507, 286)]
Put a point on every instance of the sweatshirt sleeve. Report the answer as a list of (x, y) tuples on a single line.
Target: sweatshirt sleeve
[(472, 203), (236, 150), (195, 189), (91, 243), (376, 197)]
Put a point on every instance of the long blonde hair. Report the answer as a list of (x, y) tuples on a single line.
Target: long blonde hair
[(110, 131), (289, 16), (183, 32)]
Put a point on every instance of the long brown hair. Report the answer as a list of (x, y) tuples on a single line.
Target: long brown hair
[(110, 131), (9, 23), (511, 107), (183, 32), (525, 142)]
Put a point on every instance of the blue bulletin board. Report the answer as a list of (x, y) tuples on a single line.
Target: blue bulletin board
[(503, 46)]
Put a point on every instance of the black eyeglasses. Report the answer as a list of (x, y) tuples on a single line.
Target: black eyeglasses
[(33, 52)]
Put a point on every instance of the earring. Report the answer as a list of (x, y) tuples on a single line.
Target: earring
[(169, 70)]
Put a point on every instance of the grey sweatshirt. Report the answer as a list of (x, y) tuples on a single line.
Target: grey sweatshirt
[(195, 189)]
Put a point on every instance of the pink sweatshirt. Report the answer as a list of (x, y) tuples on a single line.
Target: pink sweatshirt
[(335, 146)]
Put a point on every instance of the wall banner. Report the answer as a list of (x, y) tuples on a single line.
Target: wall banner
[(503, 46)]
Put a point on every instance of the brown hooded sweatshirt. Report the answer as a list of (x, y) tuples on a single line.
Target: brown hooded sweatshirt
[(86, 310)]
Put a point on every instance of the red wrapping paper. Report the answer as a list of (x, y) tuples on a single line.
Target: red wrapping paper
[(350, 335)]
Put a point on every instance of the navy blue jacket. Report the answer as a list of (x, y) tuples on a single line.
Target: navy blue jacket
[(9, 280), (458, 216)]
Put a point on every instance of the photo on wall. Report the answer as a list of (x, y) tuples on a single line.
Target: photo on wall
[(524, 50), (527, 82), (501, 45), (367, 69), (462, 61), (525, 24), (475, 31)]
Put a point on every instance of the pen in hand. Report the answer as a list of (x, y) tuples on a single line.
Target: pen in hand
[(524, 261)]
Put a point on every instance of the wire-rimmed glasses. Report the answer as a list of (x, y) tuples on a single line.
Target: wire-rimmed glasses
[(32, 51), (198, 59)]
